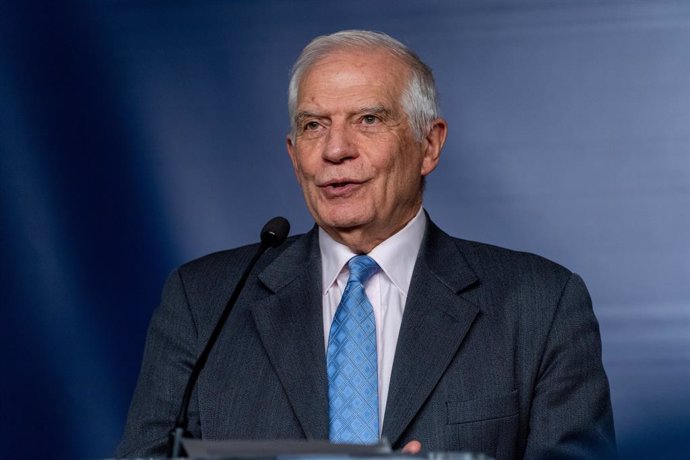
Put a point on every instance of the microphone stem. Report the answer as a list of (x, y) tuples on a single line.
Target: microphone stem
[(180, 429)]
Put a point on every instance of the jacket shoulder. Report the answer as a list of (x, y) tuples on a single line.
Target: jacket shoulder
[(518, 281), (490, 261), (233, 260)]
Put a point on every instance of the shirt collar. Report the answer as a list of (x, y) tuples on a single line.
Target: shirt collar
[(396, 256)]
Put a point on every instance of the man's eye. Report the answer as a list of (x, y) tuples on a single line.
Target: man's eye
[(369, 119), (310, 126)]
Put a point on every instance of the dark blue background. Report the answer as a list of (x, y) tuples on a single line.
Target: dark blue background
[(137, 135)]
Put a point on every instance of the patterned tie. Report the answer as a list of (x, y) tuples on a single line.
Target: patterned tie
[(352, 362)]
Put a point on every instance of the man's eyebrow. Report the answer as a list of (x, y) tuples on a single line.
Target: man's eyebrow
[(381, 110), (375, 110), (306, 114)]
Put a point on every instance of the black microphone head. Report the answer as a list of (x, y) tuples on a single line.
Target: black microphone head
[(275, 232)]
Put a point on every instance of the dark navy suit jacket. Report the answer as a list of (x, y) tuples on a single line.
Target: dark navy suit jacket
[(499, 352)]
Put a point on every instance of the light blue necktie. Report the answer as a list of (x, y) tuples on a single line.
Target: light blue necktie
[(352, 363)]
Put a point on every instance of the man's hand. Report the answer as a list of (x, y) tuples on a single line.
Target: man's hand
[(412, 447)]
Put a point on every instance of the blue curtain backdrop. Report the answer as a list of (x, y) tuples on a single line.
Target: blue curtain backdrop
[(137, 135)]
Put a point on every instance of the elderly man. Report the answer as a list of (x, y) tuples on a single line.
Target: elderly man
[(377, 323)]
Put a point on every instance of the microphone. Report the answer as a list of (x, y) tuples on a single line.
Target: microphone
[(273, 235), (275, 231)]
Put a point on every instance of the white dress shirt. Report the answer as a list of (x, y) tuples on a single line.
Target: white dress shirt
[(386, 289)]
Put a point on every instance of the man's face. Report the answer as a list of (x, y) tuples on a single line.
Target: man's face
[(354, 152)]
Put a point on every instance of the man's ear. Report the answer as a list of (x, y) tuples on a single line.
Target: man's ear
[(433, 144), (291, 150)]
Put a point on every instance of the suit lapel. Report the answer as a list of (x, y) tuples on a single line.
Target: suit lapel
[(435, 322), (290, 325)]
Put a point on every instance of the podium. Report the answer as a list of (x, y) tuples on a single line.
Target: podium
[(307, 450)]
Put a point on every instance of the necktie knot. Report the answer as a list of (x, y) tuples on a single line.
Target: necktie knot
[(362, 267)]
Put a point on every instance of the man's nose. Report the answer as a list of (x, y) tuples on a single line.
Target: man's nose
[(340, 144)]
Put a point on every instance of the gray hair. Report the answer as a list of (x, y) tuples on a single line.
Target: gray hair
[(419, 96)]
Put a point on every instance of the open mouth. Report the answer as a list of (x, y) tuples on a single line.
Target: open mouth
[(340, 184), (340, 188)]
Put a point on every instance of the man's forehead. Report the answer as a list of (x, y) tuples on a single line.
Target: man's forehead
[(365, 79), (326, 104)]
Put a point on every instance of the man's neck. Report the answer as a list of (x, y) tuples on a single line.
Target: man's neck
[(362, 240)]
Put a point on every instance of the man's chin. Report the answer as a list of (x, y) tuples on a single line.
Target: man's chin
[(343, 226), (344, 217), (344, 221)]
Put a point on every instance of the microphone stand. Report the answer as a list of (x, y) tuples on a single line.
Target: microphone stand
[(272, 235)]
